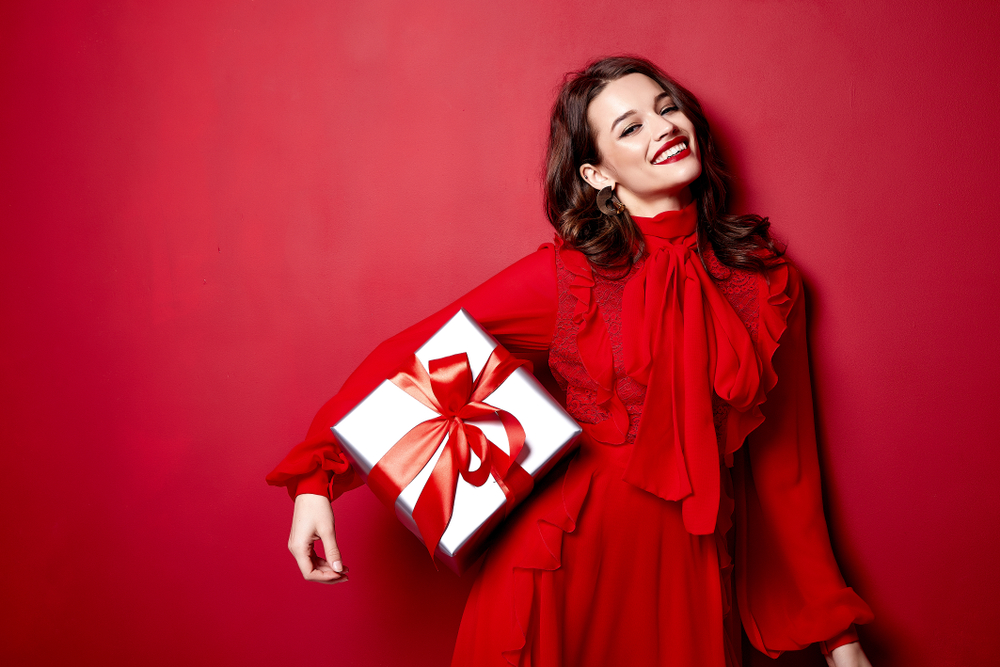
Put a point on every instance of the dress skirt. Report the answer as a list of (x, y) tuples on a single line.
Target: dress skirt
[(642, 590)]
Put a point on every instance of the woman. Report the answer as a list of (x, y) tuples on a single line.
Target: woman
[(668, 323)]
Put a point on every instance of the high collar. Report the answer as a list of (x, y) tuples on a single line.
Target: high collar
[(670, 224)]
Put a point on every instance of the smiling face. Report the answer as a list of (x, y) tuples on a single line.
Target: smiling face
[(648, 147)]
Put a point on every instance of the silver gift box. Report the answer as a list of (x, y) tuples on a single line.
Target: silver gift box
[(388, 413)]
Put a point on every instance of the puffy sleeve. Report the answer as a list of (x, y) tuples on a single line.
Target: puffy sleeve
[(789, 588), (517, 306)]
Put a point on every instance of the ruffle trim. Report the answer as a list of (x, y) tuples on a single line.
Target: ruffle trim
[(826, 617), (594, 344), (779, 291), (307, 459), (543, 551)]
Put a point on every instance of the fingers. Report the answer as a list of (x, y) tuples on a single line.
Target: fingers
[(324, 573), (314, 568), (303, 558), (329, 539)]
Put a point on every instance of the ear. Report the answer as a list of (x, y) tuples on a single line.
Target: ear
[(596, 177)]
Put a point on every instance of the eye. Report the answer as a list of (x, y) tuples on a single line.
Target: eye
[(630, 129), (670, 108)]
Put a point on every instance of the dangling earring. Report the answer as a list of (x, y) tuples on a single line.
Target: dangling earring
[(608, 203)]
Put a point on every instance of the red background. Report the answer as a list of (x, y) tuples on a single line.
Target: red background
[(212, 211)]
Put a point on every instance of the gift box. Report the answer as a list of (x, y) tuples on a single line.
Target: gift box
[(454, 440)]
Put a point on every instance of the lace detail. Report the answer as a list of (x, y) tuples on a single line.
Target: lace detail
[(609, 292), (741, 289), (564, 357)]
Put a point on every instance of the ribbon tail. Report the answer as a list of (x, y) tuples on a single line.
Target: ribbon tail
[(516, 485), (657, 463), (701, 451), (433, 510)]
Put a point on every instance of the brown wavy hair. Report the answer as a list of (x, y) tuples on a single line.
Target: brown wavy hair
[(614, 241)]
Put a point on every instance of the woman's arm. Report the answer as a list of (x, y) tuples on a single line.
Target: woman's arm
[(517, 306), (789, 587)]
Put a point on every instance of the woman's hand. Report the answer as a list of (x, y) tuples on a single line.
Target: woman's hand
[(311, 521), (848, 655)]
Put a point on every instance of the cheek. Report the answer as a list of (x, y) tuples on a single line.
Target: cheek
[(633, 157), (618, 160)]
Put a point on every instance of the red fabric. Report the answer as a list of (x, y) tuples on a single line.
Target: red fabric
[(782, 541), (594, 568), (684, 341)]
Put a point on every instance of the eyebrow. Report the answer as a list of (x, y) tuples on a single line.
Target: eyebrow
[(632, 111)]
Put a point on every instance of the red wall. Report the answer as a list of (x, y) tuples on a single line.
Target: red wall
[(212, 211)]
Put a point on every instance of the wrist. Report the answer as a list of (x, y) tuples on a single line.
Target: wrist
[(848, 636), (848, 655)]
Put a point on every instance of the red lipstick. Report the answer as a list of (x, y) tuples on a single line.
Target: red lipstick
[(674, 158)]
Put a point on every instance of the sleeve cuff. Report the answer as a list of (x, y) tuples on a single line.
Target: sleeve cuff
[(846, 637), (317, 482)]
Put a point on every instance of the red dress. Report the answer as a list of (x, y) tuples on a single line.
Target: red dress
[(694, 501)]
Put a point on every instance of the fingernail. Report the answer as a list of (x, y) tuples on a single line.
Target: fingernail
[(338, 566)]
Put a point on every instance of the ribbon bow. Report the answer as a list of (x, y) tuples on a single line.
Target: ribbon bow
[(449, 390), (687, 343)]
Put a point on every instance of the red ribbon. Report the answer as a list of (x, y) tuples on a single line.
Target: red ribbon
[(449, 390)]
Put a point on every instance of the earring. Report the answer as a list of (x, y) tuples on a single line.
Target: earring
[(608, 203)]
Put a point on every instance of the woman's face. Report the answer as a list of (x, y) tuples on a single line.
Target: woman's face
[(648, 148)]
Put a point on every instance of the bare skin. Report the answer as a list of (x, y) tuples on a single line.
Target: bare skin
[(848, 655), (312, 520)]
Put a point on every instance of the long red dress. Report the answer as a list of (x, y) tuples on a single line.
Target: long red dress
[(696, 489)]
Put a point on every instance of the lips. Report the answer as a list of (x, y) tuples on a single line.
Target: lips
[(672, 151)]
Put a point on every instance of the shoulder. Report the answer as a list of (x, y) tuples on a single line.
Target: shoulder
[(533, 273), (569, 259), (539, 263), (779, 277)]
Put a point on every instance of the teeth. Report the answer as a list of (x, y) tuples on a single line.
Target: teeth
[(670, 152)]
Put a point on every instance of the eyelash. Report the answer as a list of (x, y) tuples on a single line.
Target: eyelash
[(628, 130)]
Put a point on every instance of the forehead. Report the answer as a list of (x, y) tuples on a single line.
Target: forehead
[(631, 92)]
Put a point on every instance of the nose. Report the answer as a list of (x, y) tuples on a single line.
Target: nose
[(662, 127)]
